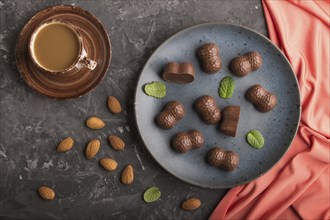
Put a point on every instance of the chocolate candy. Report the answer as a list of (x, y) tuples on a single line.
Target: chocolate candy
[(219, 157), (243, 65), (209, 58), (263, 100), (170, 115), (185, 141), (229, 120), (179, 72), (207, 109)]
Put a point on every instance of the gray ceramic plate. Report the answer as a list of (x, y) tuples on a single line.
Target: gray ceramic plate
[(278, 126)]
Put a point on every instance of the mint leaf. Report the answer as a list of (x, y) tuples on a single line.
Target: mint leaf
[(255, 139), (226, 87), (152, 194), (155, 89)]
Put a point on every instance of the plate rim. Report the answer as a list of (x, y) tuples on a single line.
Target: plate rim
[(218, 24)]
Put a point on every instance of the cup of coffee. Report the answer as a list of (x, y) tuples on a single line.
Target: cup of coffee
[(57, 47)]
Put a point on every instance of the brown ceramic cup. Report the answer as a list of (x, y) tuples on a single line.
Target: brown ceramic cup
[(81, 60)]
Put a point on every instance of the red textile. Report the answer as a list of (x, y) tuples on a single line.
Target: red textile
[(298, 186)]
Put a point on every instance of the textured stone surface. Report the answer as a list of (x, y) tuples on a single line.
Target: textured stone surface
[(32, 125)]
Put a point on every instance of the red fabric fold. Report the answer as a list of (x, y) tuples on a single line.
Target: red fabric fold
[(298, 186)]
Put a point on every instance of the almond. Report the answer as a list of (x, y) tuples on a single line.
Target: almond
[(95, 123), (127, 175), (116, 142), (114, 105), (65, 145), (108, 164), (46, 193), (92, 148), (191, 204)]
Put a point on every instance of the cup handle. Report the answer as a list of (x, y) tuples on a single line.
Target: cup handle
[(86, 62)]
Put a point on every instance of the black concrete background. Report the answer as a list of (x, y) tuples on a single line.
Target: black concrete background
[(32, 125)]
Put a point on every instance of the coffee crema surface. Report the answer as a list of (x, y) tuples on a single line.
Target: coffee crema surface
[(56, 47)]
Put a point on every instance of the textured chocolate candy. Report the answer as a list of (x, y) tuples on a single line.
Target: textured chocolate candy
[(170, 115), (185, 141), (263, 100), (227, 160), (229, 120), (209, 57), (207, 109), (243, 65), (179, 72)]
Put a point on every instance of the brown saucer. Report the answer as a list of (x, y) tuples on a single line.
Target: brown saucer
[(76, 82)]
